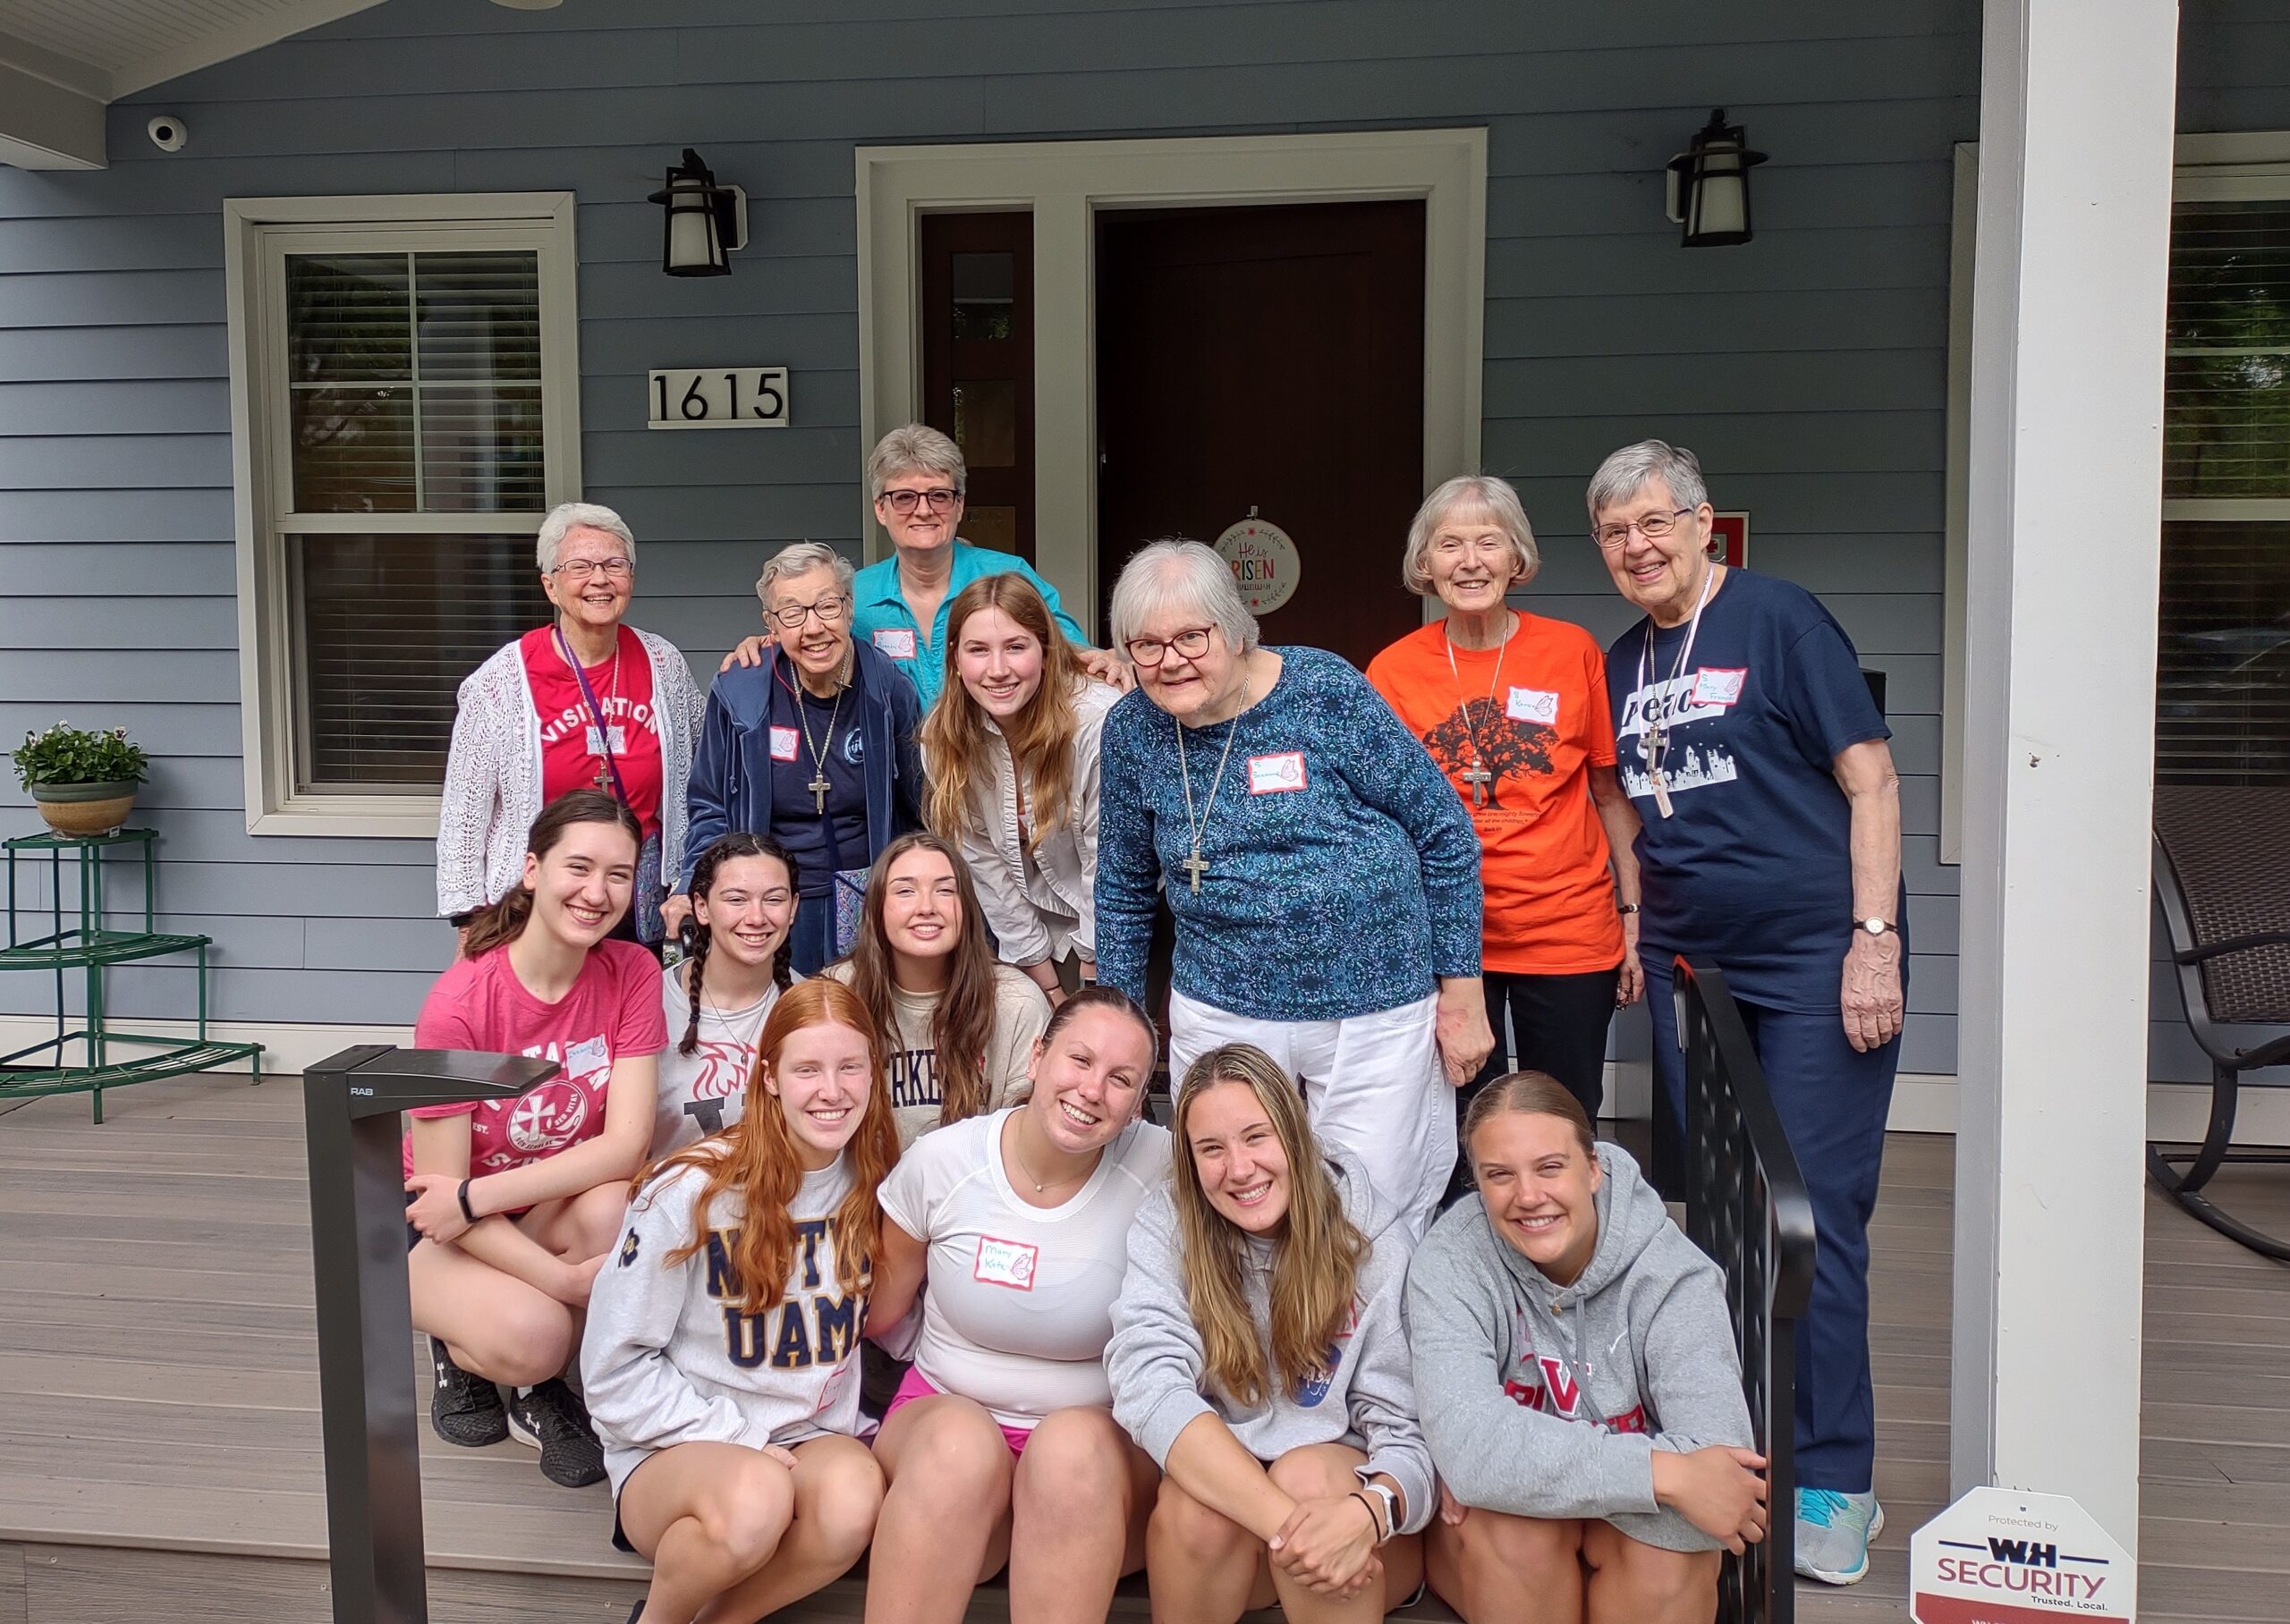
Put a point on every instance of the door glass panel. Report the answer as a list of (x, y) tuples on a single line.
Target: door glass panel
[(985, 287), (986, 421), (991, 526)]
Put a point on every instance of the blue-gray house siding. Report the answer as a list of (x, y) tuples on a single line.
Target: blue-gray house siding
[(1807, 369)]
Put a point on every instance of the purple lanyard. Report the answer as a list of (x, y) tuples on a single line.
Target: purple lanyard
[(596, 713)]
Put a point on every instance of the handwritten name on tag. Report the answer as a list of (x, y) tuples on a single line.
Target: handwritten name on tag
[(1538, 704), (896, 641), (1276, 775), (1713, 686), (783, 744), (1006, 1263)]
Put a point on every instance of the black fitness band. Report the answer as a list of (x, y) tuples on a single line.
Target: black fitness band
[(1375, 1518), (467, 1211)]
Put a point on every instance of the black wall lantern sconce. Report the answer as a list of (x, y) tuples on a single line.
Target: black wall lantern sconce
[(1709, 189), (705, 222)]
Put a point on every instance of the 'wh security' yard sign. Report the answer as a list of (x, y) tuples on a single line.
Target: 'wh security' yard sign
[(2001, 1557)]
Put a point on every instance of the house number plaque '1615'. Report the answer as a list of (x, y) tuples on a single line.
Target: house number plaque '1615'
[(719, 397)]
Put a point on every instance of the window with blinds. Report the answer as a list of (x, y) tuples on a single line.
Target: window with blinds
[(2222, 686), (415, 470)]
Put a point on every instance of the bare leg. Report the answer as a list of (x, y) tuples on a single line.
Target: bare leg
[(1078, 1509), (838, 1493), (945, 1518), (708, 1515), (1202, 1567), (1494, 1568), (494, 1325), (1632, 1583), (1321, 1469)]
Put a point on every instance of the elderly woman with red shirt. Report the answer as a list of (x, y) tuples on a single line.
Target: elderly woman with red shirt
[(1512, 706), (582, 703)]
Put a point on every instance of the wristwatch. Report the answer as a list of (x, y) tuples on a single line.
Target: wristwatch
[(1874, 927), (1391, 1509)]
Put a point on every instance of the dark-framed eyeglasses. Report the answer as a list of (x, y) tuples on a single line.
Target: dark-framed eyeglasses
[(1149, 652), (581, 568), (941, 499), (830, 611), (1653, 527)]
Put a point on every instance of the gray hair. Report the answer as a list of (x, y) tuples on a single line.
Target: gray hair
[(914, 448), (1484, 491), (567, 517), (1177, 573), (1631, 468), (801, 558)]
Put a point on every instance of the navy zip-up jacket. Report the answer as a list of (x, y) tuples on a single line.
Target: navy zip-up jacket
[(731, 765)]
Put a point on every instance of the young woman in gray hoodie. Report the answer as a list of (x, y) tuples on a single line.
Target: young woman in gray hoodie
[(1579, 1386), (1258, 1357)]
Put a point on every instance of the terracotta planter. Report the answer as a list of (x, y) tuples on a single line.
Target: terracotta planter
[(84, 808)]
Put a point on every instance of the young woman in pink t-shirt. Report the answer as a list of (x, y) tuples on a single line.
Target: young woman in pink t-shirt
[(514, 1204)]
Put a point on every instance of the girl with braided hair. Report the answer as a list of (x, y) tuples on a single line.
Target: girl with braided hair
[(743, 895)]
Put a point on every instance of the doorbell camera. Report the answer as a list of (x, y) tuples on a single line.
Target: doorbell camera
[(167, 133)]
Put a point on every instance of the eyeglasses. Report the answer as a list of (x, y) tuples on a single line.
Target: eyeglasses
[(581, 568), (904, 503), (1653, 527), (830, 611), (1149, 652)]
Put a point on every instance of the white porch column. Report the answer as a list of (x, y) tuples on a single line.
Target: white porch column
[(2075, 129)]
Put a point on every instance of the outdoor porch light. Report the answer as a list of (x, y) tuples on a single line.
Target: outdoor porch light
[(705, 222), (1709, 185)]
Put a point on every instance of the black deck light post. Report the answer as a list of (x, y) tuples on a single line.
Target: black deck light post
[(350, 1102)]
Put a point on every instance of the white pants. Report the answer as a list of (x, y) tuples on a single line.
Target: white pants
[(1373, 1083)]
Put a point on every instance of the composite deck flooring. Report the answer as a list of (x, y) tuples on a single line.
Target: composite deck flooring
[(159, 1452)]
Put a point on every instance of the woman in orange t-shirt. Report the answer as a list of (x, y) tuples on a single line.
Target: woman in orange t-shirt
[(1512, 707)]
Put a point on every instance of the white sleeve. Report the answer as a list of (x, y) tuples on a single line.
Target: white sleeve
[(465, 807)]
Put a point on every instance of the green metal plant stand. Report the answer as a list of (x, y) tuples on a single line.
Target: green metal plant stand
[(90, 947)]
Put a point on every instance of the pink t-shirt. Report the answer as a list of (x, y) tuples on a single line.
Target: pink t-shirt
[(613, 1009)]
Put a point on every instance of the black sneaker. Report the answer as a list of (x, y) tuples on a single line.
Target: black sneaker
[(464, 1409), (551, 1418)]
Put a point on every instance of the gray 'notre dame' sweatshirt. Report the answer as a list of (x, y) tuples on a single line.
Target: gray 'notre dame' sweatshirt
[(1159, 1373), (669, 1356), (1548, 1401)]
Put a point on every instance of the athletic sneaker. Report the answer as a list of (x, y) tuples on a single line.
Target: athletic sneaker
[(1832, 1533), (464, 1409), (551, 1418)]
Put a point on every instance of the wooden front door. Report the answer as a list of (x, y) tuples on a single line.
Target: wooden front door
[(1267, 357)]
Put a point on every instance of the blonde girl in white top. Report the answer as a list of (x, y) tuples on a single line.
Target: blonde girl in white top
[(1011, 749)]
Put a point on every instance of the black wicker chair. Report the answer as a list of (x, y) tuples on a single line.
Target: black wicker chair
[(2225, 890), (1747, 1207)]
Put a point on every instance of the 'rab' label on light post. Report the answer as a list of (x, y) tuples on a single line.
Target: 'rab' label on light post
[(2001, 1557)]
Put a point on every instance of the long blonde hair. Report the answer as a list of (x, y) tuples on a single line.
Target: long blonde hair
[(757, 1157), (1316, 1259), (1041, 736)]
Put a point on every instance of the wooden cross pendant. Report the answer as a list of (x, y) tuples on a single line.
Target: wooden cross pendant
[(603, 778), (819, 787), (1478, 777), (1196, 866)]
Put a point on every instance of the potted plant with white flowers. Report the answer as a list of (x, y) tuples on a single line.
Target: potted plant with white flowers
[(82, 779)]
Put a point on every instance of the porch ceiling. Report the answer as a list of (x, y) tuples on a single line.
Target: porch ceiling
[(62, 62)]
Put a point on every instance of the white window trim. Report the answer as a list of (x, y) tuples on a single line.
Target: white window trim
[(266, 676), (2246, 163), (1064, 183)]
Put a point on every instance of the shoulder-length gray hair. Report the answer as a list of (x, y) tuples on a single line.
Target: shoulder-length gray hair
[(1633, 467), (1177, 573), (1481, 492), (567, 517), (801, 558)]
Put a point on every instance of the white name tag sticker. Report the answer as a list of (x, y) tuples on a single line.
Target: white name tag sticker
[(1276, 775), (1713, 686), (619, 740), (783, 744), (589, 1055), (1006, 1263), (896, 641), (1533, 705)]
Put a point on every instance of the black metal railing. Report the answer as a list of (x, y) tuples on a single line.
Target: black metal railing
[(1747, 1207), (350, 1102)]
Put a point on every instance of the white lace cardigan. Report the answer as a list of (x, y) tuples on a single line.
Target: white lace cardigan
[(493, 773)]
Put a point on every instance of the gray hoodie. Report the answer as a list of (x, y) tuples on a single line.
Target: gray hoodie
[(1549, 1402), (1156, 1362)]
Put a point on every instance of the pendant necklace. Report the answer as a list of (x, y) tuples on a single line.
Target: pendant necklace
[(603, 778), (1476, 774), (1654, 743), (818, 786), (1194, 865), (1027, 1173)]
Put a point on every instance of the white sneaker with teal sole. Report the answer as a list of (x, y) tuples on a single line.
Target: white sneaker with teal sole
[(1832, 1533)]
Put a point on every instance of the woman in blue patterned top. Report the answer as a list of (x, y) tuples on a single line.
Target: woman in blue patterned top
[(1324, 878)]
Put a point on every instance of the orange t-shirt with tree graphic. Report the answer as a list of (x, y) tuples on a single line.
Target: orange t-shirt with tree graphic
[(1534, 715)]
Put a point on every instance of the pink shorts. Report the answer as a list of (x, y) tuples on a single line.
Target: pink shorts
[(914, 1387)]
